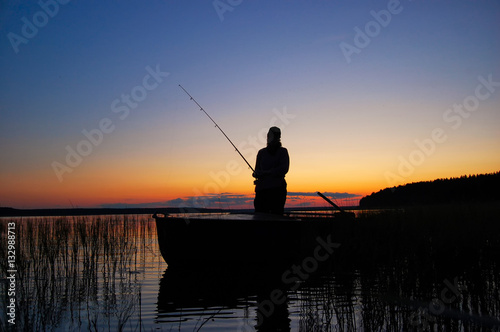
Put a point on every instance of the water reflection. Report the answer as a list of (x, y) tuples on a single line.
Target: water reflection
[(82, 273), (208, 295), (334, 298), (107, 274)]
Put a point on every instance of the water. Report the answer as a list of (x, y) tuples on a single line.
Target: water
[(105, 273)]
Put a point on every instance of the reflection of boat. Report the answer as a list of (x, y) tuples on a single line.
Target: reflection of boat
[(225, 297), (189, 238)]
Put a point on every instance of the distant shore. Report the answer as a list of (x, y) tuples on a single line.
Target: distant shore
[(12, 212)]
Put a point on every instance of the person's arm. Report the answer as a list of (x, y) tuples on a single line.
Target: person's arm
[(258, 171)]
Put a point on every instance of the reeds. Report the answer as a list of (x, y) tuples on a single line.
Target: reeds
[(394, 265), (421, 235), (78, 272), (394, 299)]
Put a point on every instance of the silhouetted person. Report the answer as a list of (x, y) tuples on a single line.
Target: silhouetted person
[(270, 168)]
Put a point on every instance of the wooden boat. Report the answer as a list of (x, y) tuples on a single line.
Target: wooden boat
[(187, 238)]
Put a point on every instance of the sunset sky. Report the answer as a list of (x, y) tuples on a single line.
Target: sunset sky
[(367, 96)]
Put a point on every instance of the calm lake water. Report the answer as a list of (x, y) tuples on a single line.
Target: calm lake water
[(105, 273)]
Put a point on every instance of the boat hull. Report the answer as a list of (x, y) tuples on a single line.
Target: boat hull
[(238, 238)]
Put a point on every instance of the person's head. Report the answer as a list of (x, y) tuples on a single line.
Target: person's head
[(273, 135)]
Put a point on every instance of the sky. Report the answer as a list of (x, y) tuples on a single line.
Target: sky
[(368, 95)]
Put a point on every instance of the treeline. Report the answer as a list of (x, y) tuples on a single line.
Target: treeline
[(471, 188)]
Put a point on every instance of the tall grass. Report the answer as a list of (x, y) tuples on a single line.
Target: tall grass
[(422, 236), (392, 264), (396, 300), (78, 272)]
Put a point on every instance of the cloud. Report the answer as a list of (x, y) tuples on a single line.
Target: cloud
[(238, 201), (223, 201), (327, 194)]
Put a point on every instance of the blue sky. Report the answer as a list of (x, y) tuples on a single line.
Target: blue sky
[(353, 120)]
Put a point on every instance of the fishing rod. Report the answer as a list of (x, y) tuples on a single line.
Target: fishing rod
[(217, 126)]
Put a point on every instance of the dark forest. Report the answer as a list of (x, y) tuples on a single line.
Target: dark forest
[(467, 188)]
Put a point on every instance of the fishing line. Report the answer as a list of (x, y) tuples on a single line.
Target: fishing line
[(217, 126)]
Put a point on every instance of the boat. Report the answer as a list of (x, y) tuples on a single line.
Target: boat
[(191, 238)]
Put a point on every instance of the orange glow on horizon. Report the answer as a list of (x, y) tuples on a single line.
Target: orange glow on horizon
[(142, 180)]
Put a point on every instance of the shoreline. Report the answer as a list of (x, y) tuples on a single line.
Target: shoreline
[(12, 212)]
